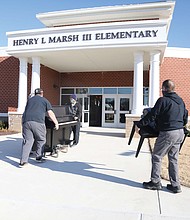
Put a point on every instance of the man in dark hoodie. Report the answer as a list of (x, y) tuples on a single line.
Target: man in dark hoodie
[(170, 116)]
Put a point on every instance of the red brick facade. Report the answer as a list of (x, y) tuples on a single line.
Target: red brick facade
[(177, 69), (50, 83), (100, 79), (9, 74)]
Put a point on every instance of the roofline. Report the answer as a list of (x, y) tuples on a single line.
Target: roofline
[(177, 52), (96, 14)]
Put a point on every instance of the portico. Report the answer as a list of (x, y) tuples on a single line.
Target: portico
[(118, 38)]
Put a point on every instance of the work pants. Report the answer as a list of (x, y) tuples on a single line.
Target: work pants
[(168, 142), (32, 131), (76, 132)]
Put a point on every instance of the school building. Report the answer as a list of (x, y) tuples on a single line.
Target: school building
[(113, 58)]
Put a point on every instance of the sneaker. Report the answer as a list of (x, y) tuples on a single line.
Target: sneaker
[(40, 160), (23, 164), (174, 189), (64, 148), (152, 186)]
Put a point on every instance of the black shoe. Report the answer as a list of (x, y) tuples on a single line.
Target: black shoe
[(152, 186), (73, 144), (23, 164), (40, 160), (174, 189)]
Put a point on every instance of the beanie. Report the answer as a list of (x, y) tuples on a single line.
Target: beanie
[(73, 97)]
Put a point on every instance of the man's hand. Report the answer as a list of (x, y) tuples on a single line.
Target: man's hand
[(76, 118), (137, 129), (56, 126)]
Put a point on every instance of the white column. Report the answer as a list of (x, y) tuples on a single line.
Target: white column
[(154, 81), (22, 90), (35, 81), (138, 83)]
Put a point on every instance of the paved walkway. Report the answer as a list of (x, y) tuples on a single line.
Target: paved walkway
[(99, 179)]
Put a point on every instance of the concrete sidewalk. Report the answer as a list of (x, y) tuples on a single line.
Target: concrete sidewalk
[(99, 179)]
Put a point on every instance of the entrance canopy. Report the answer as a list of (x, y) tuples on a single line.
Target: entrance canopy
[(96, 39)]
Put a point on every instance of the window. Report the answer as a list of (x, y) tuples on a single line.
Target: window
[(110, 90), (95, 91), (82, 91), (145, 96), (124, 90), (67, 91)]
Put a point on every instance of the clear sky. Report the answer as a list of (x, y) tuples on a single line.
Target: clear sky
[(18, 15)]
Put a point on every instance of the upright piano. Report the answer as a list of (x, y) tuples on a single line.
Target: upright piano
[(60, 137)]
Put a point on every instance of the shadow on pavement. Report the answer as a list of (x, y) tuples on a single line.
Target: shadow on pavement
[(86, 169), (10, 148), (109, 134)]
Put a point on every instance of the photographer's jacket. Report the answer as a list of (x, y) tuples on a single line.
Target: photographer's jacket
[(169, 113)]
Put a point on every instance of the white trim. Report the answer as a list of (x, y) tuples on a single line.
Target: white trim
[(177, 52), (22, 91), (13, 113), (47, 38), (3, 52), (108, 13)]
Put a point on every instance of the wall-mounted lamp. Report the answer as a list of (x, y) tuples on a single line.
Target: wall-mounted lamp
[(55, 86)]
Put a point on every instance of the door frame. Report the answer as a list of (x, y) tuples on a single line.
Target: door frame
[(84, 100), (129, 96), (116, 111), (111, 111)]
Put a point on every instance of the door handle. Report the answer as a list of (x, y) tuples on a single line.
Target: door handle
[(114, 111)]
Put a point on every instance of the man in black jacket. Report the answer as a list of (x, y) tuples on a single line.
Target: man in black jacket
[(170, 116)]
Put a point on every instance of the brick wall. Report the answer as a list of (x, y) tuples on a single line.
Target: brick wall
[(9, 74), (178, 70), (50, 83), (100, 79), (9, 80)]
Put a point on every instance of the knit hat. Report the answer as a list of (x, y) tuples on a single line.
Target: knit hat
[(73, 97)]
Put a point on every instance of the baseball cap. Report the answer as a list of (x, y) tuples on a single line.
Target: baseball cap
[(38, 91)]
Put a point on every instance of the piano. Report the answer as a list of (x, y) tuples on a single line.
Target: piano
[(58, 139)]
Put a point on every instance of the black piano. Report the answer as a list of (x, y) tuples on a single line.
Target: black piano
[(55, 139)]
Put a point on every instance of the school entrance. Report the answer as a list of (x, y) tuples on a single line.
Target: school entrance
[(101, 107)]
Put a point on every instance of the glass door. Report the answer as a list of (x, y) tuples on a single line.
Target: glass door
[(84, 101), (114, 109), (124, 107), (109, 116)]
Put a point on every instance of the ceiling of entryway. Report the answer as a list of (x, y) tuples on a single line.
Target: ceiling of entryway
[(92, 60)]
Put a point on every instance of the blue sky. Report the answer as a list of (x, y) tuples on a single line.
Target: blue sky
[(18, 15)]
